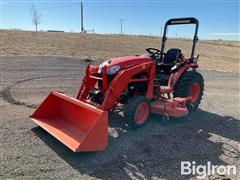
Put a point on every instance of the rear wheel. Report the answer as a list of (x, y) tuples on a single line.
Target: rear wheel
[(137, 111), (190, 84)]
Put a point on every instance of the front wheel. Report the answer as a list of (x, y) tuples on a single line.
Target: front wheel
[(137, 111), (190, 84)]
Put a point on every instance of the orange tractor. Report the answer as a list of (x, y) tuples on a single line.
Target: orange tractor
[(165, 83)]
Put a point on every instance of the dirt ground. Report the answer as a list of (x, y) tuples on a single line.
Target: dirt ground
[(153, 152), (214, 55)]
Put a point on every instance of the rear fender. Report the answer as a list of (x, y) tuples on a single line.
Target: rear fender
[(174, 77)]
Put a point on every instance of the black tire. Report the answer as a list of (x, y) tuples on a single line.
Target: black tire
[(130, 110), (184, 84)]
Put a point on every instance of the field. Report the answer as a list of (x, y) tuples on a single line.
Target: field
[(214, 55), (32, 64)]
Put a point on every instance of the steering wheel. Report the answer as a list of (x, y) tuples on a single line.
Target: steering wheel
[(153, 52)]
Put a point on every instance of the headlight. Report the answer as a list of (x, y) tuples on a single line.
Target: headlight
[(113, 70)]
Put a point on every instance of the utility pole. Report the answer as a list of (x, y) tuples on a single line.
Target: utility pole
[(121, 21), (82, 29)]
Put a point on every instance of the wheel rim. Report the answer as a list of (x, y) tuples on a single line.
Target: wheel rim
[(195, 91), (141, 113)]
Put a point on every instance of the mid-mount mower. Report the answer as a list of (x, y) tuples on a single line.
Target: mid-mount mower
[(160, 82)]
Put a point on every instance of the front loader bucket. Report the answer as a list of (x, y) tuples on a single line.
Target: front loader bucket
[(78, 125)]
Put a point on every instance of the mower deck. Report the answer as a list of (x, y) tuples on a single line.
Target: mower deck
[(175, 107)]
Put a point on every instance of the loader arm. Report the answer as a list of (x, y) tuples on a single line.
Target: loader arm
[(121, 81)]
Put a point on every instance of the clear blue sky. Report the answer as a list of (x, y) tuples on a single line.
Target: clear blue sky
[(218, 18)]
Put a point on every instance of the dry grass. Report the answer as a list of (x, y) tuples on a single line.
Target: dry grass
[(214, 55)]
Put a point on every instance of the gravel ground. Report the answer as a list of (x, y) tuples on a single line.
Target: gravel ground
[(153, 152)]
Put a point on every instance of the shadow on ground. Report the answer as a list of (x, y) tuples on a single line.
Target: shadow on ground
[(157, 149)]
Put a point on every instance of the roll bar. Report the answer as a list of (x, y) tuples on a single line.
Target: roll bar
[(180, 21)]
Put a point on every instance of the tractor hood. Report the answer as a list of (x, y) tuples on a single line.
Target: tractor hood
[(125, 62)]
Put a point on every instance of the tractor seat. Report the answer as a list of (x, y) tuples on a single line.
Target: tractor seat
[(169, 60), (171, 56)]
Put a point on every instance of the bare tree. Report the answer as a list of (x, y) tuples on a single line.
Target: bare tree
[(35, 17)]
